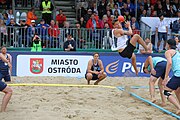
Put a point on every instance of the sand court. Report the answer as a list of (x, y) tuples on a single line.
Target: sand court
[(81, 103)]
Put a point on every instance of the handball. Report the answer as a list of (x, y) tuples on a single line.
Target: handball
[(120, 18)]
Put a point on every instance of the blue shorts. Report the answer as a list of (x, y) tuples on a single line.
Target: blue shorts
[(160, 69), (174, 83), (162, 35), (7, 77), (94, 76), (2, 85)]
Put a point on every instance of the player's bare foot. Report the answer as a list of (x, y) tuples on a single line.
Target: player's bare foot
[(163, 104), (153, 100), (96, 83), (178, 112)]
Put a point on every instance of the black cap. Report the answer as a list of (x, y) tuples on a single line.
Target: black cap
[(172, 43)]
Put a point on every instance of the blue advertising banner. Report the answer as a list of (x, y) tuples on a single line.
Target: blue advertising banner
[(114, 64), (118, 66)]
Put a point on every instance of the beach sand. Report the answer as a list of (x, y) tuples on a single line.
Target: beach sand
[(81, 103)]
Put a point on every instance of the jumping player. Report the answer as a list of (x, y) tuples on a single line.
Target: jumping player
[(156, 66), (5, 69), (95, 70), (3, 86), (126, 50), (173, 61)]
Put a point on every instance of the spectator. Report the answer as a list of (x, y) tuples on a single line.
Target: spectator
[(109, 9), (106, 36), (67, 30), (140, 13), (31, 16), (69, 44), (81, 12), (112, 19), (166, 6), (6, 19), (149, 46), (131, 8), (146, 4), (135, 23), (92, 23), (31, 31), (160, 10), (54, 33), (135, 30), (176, 5), (36, 44), (175, 27), (162, 30), (127, 16), (88, 15), (82, 22), (108, 13), (3, 32), (116, 14), (79, 36), (10, 14), (93, 8), (46, 7), (177, 39), (106, 20), (144, 14), (42, 29), (102, 8), (96, 16), (171, 12), (22, 41), (151, 11), (11, 30), (120, 4), (61, 18), (116, 9), (124, 9), (111, 4), (157, 4)]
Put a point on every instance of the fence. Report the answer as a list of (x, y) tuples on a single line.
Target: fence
[(54, 38)]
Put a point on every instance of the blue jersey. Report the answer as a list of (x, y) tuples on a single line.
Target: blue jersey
[(4, 68), (176, 64), (95, 67), (156, 60)]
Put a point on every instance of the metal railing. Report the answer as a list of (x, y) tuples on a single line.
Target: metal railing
[(55, 38)]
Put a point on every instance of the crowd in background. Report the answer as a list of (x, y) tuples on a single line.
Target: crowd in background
[(96, 16)]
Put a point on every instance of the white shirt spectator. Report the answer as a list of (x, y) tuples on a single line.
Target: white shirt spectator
[(161, 25), (10, 16)]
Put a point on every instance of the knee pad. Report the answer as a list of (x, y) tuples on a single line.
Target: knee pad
[(167, 93)]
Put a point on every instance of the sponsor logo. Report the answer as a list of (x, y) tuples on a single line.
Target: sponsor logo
[(36, 65), (128, 66), (112, 67)]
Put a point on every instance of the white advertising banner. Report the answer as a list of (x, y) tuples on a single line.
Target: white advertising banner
[(52, 65)]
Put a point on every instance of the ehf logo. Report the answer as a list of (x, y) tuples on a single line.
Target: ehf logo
[(36, 65)]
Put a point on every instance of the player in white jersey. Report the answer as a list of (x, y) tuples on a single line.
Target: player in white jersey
[(126, 49)]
